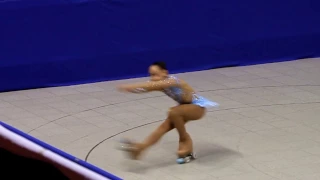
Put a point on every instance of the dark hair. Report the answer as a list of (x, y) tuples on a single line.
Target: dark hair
[(160, 64)]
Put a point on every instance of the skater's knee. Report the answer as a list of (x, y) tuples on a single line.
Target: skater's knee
[(173, 113)]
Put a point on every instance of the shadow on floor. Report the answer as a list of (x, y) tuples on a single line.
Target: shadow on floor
[(212, 156)]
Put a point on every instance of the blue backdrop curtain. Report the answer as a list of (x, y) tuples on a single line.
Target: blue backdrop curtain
[(59, 42)]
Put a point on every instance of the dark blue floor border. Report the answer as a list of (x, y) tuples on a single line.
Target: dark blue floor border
[(61, 153)]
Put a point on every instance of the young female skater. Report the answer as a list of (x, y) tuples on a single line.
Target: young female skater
[(190, 107)]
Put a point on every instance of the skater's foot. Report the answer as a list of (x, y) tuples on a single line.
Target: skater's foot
[(185, 148), (134, 150), (183, 153)]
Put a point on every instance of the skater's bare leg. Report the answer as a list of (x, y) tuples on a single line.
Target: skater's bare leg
[(179, 116), (156, 135), (153, 138)]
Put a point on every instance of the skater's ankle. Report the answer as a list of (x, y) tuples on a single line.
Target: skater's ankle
[(184, 139)]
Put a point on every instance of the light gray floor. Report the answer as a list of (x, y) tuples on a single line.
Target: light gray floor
[(267, 127)]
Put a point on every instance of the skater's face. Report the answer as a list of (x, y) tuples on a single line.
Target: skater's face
[(156, 73)]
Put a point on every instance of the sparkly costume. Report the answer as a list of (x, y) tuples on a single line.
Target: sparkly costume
[(173, 88)]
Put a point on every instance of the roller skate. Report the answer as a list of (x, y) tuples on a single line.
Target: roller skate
[(185, 152), (186, 159), (129, 147)]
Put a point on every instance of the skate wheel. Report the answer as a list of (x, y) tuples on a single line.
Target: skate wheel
[(184, 160), (187, 159), (180, 161), (194, 156)]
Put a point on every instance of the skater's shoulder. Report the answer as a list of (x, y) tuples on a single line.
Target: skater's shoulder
[(180, 83), (173, 77), (177, 80)]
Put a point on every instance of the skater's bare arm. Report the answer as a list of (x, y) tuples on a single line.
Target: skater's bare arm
[(149, 86)]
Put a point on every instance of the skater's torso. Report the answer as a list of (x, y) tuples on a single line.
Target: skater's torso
[(183, 93)]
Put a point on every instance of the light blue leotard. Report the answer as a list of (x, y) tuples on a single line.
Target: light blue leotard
[(176, 92)]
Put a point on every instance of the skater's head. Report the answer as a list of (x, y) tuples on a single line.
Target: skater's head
[(158, 71)]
